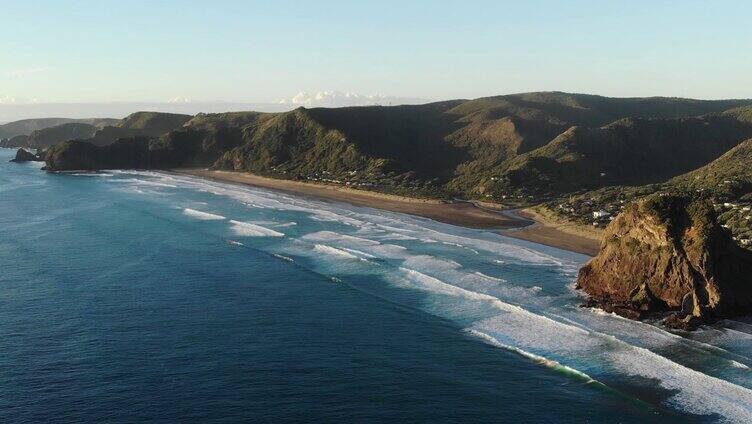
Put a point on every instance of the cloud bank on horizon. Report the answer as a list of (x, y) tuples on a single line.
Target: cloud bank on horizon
[(12, 100), (339, 99), (14, 108)]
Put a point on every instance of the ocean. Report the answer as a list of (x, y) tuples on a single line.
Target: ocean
[(133, 296)]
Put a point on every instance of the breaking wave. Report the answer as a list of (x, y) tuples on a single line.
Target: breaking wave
[(202, 215), (246, 229), (550, 363), (518, 314), (329, 250)]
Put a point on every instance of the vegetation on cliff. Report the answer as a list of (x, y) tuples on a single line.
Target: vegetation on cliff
[(516, 148), (140, 124), (47, 137)]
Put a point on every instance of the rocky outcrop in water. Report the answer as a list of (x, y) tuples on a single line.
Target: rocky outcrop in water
[(23, 155), (667, 255)]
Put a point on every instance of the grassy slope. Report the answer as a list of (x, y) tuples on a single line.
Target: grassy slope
[(478, 148), (630, 151), (48, 136), (140, 124), (456, 146)]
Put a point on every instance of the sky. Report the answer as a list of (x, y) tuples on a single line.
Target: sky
[(225, 52)]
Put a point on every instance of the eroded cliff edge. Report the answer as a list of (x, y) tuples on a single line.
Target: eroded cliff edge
[(667, 255)]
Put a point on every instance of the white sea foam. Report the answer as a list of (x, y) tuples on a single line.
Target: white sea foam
[(695, 392), (142, 182), (193, 213), (461, 246), (328, 236), (550, 363), (453, 273), (397, 236), (322, 248), (344, 253), (489, 278), (371, 247), (91, 174), (533, 326), (359, 253), (283, 257), (248, 229)]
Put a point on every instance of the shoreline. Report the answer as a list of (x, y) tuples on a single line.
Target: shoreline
[(555, 232), (524, 225)]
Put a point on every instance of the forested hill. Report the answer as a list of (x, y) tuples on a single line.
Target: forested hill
[(495, 148)]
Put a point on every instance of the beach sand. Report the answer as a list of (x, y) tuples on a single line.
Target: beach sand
[(551, 231), (543, 229)]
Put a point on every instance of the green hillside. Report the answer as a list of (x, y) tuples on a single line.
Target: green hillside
[(46, 137), (726, 181), (140, 124), (522, 147), (729, 175), (631, 151)]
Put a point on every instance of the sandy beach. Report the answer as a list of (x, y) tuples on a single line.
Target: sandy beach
[(557, 233), (543, 230)]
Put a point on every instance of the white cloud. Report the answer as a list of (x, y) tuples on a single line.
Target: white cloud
[(179, 99), (23, 72), (339, 99), (8, 100), (12, 100)]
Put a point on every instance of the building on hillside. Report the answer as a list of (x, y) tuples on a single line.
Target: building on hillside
[(601, 214)]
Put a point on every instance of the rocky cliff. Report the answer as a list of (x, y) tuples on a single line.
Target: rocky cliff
[(23, 155), (668, 255)]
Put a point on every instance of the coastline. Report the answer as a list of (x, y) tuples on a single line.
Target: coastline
[(466, 214), (558, 233)]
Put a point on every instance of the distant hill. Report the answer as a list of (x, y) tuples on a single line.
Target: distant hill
[(532, 144), (729, 175), (47, 132), (27, 126), (592, 110), (631, 151), (148, 124), (46, 137)]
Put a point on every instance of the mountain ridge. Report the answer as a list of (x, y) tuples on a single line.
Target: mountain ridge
[(520, 146)]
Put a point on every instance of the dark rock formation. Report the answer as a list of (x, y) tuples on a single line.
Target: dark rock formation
[(80, 155), (23, 155), (184, 147), (668, 254)]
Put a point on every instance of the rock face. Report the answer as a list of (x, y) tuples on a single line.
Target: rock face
[(668, 254), (179, 148), (80, 155), (24, 156)]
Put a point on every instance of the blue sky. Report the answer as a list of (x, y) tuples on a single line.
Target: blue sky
[(262, 51)]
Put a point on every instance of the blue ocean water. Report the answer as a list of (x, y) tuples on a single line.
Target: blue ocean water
[(147, 296)]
